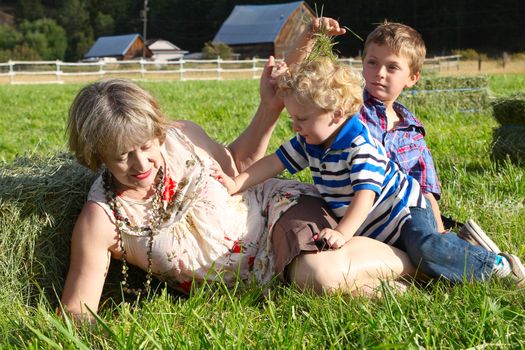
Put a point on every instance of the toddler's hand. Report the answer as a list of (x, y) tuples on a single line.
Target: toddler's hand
[(225, 180), (335, 239)]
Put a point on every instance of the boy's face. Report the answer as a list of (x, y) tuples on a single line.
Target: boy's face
[(386, 73), (317, 126)]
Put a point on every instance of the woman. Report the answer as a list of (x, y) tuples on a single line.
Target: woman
[(157, 206)]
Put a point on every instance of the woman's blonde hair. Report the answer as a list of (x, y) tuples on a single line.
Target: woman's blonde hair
[(112, 115), (402, 40), (329, 84)]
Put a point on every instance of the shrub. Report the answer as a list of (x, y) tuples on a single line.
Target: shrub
[(469, 54), (214, 50)]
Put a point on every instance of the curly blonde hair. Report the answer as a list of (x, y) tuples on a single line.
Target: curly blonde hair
[(329, 84)]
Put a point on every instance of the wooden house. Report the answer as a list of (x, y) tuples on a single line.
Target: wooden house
[(264, 30), (163, 50), (120, 47)]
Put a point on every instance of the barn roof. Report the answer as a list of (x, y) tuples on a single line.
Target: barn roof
[(252, 24), (110, 46)]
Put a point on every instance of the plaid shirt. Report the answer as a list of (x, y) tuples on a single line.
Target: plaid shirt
[(405, 143)]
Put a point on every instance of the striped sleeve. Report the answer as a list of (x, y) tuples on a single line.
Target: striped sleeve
[(293, 155)]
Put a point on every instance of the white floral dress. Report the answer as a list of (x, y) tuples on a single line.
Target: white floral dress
[(208, 234)]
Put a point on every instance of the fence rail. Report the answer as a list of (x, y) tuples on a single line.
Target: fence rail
[(35, 72)]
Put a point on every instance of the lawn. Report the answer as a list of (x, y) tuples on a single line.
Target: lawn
[(42, 189)]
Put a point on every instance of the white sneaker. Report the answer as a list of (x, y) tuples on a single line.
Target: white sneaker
[(517, 273), (473, 234)]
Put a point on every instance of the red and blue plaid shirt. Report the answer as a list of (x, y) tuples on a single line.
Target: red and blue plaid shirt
[(405, 143)]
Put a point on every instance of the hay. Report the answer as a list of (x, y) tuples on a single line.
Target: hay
[(449, 94), (509, 143), (40, 199), (510, 109)]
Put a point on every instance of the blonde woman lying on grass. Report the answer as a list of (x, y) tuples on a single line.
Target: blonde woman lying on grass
[(157, 206)]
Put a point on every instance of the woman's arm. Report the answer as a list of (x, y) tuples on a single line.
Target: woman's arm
[(252, 143), (93, 237)]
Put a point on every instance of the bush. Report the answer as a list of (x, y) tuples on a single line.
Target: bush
[(214, 50), (469, 54)]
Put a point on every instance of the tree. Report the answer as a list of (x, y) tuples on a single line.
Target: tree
[(104, 25), (9, 37), (46, 37), (29, 10), (74, 18)]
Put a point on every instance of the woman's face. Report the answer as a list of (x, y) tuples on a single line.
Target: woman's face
[(136, 168)]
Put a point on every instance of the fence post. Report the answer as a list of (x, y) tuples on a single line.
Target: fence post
[(218, 67), (101, 68), (254, 67), (58, 72), (181, 69), (142, 68), (11, 71)]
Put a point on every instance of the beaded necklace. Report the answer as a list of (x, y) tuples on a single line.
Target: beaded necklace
[(124, 225)]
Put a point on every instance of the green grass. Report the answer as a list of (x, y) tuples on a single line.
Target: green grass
[(40, 195)]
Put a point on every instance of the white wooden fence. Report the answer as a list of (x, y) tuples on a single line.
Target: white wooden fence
[(35, 72)]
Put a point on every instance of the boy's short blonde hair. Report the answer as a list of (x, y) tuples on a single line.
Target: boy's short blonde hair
[(402, 40), (328, 84), (112, 115)]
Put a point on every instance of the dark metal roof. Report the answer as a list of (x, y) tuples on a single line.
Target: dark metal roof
[(111, 46), (251, 24)]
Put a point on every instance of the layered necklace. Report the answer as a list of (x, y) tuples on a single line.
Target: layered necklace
[(158, 215)]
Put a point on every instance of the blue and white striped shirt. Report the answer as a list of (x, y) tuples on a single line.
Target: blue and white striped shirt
[(356, 161)]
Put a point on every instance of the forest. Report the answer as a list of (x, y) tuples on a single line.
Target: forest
[(66, 29)]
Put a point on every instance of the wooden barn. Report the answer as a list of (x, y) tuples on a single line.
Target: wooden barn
[(264, 30), (120, 47)]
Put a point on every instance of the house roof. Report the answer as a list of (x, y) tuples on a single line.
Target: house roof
[(252, 24), (162, 45), (109, 46)]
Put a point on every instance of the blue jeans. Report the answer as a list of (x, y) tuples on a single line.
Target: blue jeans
[(442, 255)]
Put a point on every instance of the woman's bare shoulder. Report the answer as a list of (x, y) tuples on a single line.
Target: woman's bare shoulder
[(187, 126), (93, 225)]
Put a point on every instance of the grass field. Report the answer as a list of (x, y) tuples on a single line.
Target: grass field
[(41, 190)]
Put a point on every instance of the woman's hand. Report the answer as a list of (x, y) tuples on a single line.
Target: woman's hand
[(326, 25), (268, 86)]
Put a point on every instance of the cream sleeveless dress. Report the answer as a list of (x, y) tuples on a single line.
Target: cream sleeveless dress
[(209, 235)]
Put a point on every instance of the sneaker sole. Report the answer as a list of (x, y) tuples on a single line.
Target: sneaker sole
[(472, 233), (518, 270)]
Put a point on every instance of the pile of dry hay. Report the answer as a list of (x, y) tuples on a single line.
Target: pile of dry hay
[(509, 139), (40, 199), (448, 94)]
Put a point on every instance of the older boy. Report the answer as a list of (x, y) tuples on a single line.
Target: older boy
[(393, 57)]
